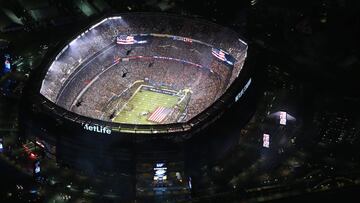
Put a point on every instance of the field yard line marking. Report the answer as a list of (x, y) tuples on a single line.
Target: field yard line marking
[(128, 101), (119, 95)]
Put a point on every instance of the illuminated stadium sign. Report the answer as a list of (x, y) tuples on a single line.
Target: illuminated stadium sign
[(238, 96), (97, 128), (266, 140), (283, 116), (160, 172)]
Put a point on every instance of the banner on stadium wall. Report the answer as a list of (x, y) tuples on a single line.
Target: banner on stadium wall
[(132, 39), (223, 56), (184, 39)]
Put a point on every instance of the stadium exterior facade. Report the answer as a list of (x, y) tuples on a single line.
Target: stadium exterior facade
[(95, 145)]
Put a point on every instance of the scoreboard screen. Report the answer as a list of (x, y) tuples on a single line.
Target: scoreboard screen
[(160, 172)]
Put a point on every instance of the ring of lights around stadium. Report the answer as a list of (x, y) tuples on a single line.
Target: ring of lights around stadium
[(145, 73)]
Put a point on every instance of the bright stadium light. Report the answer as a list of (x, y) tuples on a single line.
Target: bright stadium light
[(115, 17), (61, 52), (97, 24), (240, 40), (73, 42)]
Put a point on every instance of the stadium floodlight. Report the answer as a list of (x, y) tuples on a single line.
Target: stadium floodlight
[(97, 24), (60, 53), (115, 17), (240, 40), (73, 42)]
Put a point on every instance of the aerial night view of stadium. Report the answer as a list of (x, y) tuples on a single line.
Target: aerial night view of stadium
[(179, 101)]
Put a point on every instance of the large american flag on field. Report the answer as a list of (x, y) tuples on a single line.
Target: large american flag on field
[(159, 114)]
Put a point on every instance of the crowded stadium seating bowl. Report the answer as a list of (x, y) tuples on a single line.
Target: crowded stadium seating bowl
[(144, 68)]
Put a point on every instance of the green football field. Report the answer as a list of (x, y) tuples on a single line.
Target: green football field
[(141, 102)]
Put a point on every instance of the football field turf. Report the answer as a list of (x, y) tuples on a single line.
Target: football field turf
[(144, 101)]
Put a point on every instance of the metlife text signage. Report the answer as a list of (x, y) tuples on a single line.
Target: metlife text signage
[(97, 128)]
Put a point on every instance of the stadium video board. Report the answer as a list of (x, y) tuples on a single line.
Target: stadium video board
[(160, 170)]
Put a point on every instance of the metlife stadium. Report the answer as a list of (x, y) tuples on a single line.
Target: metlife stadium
[(140, 87)]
